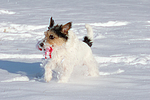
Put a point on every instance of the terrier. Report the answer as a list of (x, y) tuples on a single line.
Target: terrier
[(66, 51)]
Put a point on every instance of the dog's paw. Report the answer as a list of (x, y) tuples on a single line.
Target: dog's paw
[(47, 77)]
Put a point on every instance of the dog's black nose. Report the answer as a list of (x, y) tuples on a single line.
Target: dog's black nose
[(41, 44)]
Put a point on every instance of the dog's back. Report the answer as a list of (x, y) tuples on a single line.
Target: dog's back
[(80, 50)]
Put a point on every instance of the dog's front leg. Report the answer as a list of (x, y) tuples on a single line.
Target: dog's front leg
[(48, 71)]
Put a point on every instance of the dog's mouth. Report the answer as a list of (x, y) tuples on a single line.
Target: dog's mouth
[(41, 46), (38, 46), (47, 51)]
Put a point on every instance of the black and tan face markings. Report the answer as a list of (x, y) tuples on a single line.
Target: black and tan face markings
[(53, 39), (58, 34)]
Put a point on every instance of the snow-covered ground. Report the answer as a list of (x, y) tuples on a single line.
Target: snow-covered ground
[(121, 47)]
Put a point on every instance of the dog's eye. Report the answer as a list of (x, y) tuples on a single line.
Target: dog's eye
[(51, 37)]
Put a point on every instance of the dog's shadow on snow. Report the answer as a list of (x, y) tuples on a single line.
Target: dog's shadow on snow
[(31, 70)]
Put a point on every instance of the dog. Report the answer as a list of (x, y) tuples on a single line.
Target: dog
[(66, 51)]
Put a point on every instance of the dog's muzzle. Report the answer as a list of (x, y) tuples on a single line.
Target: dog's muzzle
[(47, 51), (40, 45)]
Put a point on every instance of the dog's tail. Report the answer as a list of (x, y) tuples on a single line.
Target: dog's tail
[(89, 38)]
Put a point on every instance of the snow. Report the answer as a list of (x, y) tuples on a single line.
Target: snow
[(23, 78), (121, 47), (108, 24), (6, 12)]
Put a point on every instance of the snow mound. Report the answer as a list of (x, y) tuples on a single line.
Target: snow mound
[(107, 24), (22, 78), (19, 28), (110, 23), (127, 59), (20, 56), (144, 39), (6, 12), (112, 73)]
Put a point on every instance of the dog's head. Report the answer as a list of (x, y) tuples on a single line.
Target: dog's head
[(55, 35)]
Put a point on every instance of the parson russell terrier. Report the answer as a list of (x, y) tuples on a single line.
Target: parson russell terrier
[(66, 51)]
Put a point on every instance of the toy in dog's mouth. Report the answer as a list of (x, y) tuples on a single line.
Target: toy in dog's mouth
[(47, 52)]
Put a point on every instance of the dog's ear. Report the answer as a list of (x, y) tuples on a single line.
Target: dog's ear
[(51, 23), (66, 27)]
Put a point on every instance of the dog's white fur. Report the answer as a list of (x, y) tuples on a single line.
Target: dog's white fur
[(72, 54)]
